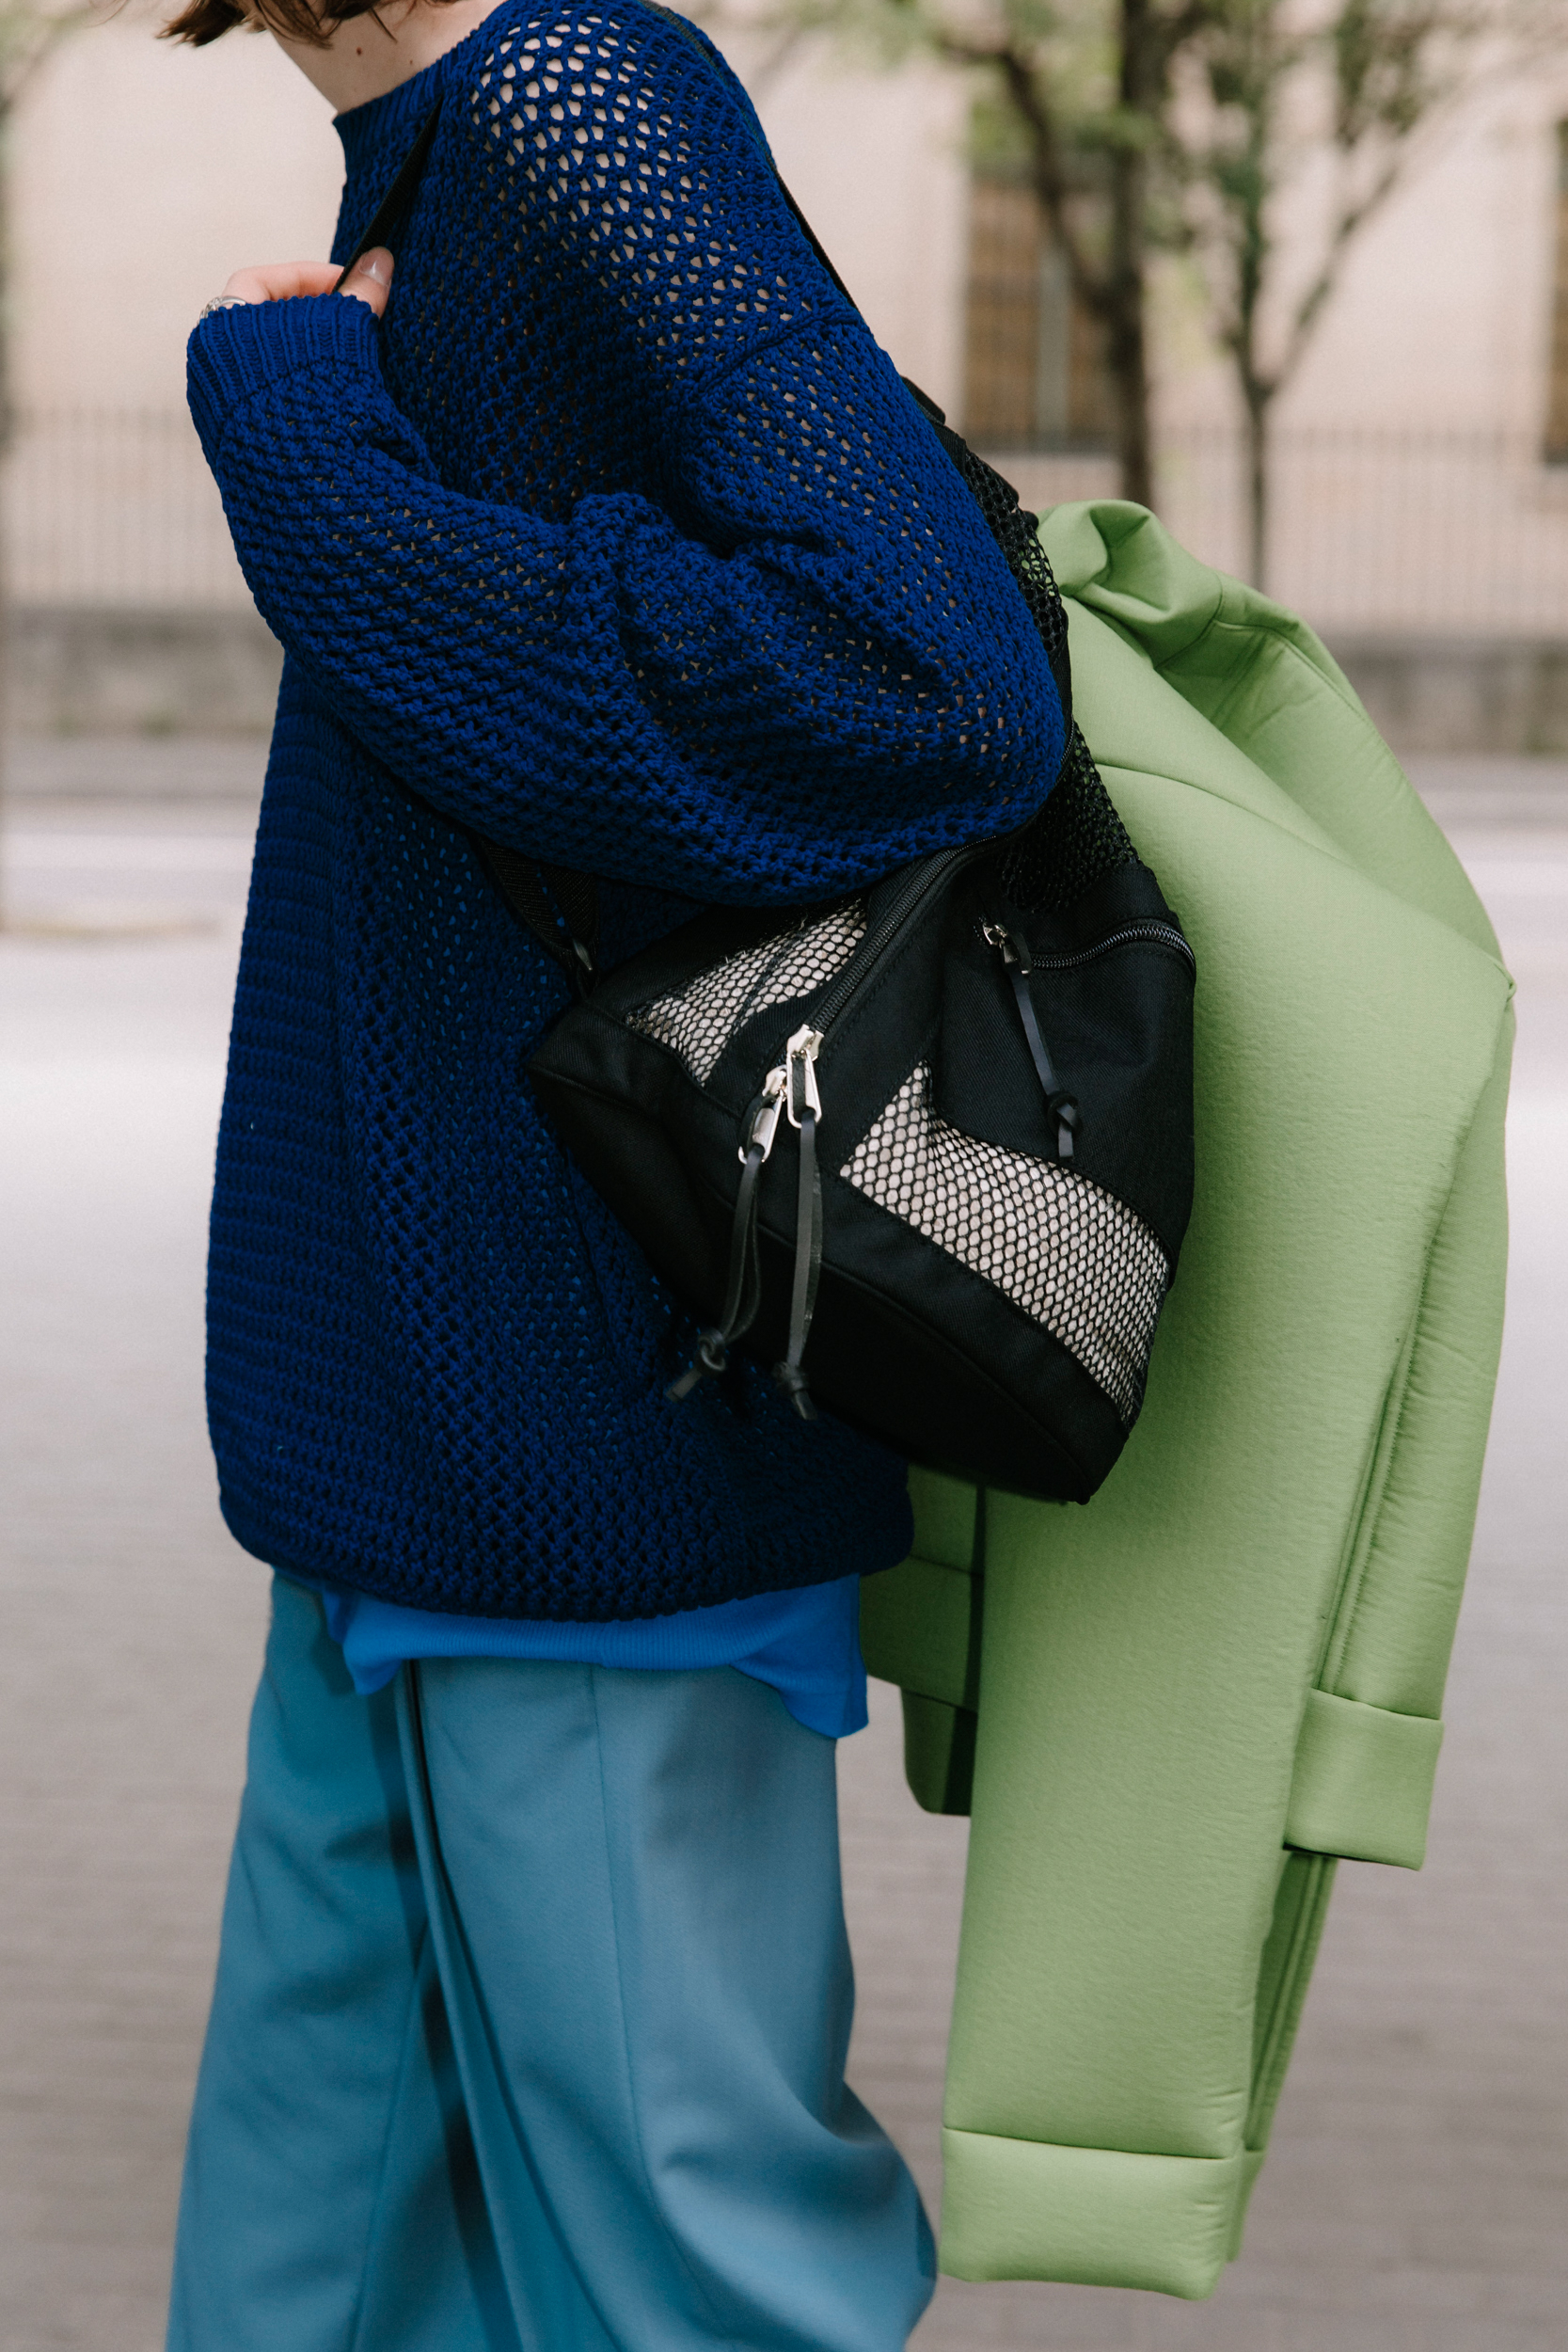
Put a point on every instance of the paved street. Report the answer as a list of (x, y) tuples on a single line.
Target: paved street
[(1417, 2197)]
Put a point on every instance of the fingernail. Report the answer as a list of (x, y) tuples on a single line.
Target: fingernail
[(379, 266)]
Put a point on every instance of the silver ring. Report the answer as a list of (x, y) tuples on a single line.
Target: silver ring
[(222, 302)]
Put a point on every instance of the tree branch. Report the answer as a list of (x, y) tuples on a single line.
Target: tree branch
[(1352, 218), (1048, 177)]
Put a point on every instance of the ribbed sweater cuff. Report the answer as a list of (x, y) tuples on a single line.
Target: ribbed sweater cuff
[(238, 352)]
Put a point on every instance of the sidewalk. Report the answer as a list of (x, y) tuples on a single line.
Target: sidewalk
[(1415, 2197)]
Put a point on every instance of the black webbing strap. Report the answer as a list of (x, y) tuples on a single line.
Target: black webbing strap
[(788, 1372), (394, 206), (559, 909)]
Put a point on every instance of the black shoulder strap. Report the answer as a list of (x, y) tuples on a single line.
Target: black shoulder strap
[(560, 909), (394, 206)]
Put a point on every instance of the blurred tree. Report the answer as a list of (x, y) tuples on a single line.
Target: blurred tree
[(1087, 89), (1197, 126), (30, 31), (1291, 111)]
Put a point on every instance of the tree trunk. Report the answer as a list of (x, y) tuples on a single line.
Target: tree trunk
[(1126, 290), (1257, 486), (1127, 352), (1251, 179)]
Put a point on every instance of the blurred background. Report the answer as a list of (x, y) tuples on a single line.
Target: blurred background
[(1294, 271)]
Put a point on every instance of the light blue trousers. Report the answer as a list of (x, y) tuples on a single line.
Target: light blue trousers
[(529, 2027)]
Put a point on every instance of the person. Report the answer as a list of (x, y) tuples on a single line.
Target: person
[(600, 529)]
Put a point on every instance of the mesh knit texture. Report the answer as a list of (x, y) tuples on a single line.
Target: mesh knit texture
[(620, 543), (1075, 841), (1076, 1259), (1077, 838)]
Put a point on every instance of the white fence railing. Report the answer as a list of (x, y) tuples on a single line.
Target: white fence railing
[(1376, 532), (1446, 532), (115, 507)]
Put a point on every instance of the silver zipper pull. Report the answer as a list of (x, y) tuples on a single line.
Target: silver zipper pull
[(801, 1063), (769, 1110), (1014, 953)]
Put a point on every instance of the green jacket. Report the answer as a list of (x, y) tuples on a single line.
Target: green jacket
[(1179, 1705)]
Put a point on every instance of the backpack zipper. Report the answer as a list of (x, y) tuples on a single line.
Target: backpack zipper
[(915, 887), (1162, 934), (1018, 963), (789, 1092)]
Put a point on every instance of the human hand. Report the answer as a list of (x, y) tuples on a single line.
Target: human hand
[(369, 281)]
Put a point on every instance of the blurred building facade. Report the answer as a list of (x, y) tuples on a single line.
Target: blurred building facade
[(1422, 463)]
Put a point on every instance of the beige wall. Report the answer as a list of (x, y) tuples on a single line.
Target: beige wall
[(1442, 314), (143, 173)]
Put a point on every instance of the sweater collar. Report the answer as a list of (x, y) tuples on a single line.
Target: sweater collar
[(391, 122)]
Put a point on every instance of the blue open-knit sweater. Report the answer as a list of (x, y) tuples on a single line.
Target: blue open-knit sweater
[(618, 540)]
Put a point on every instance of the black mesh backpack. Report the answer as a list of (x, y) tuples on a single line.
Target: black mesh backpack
[(926, 1151)]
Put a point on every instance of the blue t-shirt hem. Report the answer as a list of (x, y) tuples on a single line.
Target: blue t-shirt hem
[(803, 1643)]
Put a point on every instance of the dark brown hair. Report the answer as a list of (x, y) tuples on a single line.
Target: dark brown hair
[(201, 21)]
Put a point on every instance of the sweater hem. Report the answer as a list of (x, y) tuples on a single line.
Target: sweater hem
[(772, 1569)]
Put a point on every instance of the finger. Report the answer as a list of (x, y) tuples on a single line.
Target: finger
[(279, 281), (370, 278)]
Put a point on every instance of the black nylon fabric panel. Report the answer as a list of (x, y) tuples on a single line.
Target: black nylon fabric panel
[(1118, 1026), (959, 1381)]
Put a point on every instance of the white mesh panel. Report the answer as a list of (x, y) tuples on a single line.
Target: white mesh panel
[(1072, 1257), (699, 1022)]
